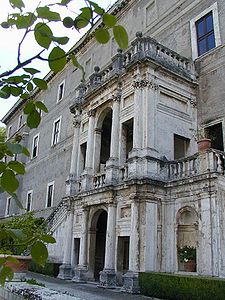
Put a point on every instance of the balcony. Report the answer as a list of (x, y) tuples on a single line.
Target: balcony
[(145, 168)]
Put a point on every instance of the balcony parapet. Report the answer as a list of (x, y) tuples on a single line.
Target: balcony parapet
[(142, 48)]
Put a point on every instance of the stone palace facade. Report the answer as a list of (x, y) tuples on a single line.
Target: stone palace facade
[(115, 166)]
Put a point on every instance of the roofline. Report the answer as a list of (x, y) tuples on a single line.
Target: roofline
[(114, 9)]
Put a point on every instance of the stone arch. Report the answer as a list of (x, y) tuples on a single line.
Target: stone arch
[(187, 231), (97, 241), (102, 139)]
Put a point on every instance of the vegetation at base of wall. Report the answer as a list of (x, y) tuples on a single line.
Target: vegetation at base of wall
[(50, 269), (181, 287), (34, 282)]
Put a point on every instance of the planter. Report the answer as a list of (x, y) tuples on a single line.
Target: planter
[(204, 144), (190, 266), (20, 269)]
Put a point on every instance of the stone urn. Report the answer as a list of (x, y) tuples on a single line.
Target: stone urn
[(204, 144), (190, 266), (20, 269)]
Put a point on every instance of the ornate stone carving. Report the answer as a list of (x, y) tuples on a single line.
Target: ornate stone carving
[(142, 83), (91, 113), (125, 212), (193, 102), (76, 121)]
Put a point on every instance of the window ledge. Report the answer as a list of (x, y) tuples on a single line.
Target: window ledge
[(210, 52)]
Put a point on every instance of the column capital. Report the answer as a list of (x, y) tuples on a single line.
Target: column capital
[(77, 121), (91, 113), (142, 83)]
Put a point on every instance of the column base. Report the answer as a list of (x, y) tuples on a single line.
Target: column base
[(80, 275), (65, 272), (107, 279), (130, 283)]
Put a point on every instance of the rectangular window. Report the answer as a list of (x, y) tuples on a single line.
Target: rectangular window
[(20, 122), (7, 209), (205, 34), (9, 132), (29, 200), (50, 194), (60, 91), (181, 145), (35, 146), (56, 131)]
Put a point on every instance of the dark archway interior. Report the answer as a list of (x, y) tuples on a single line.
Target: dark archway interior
[(100, 244), (106, 138)]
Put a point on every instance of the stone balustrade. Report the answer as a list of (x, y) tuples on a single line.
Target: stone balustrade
[(142, 48), (99, 180), (57, 215)]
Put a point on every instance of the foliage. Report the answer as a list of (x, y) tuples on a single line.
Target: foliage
[(34, 282), (187, 253), (50, 268), (24, 234), (2, 134), (179, 287)]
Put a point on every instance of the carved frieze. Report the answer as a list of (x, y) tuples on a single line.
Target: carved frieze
[(125, 212)]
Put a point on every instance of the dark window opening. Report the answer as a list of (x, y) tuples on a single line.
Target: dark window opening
[(76, 251), (215, 133), (60, 93), (128, 128), (56, 132), (123, 254), (181, 145), (205, 34), (106, 138), (50, 195), (35, 147), (29, 199), (8, 206), (83, 150)]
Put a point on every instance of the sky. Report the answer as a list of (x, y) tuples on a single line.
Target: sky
[(9, 40)]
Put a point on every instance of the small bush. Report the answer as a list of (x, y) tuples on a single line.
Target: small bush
[(34, 282), (50, 269), (181, 287)]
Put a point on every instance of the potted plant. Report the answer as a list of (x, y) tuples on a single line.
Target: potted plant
[(203, 139), (18, 236), (187, 255)]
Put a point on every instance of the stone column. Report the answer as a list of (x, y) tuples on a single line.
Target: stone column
[(71, 182), (138, 114), (151, 237), (88, 171), (65, 270), (90, 141), (112, 169), (131, 277), (81, 270), (108, 276)]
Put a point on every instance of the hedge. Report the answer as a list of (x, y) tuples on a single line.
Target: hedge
[(51, 269), (181, 287)]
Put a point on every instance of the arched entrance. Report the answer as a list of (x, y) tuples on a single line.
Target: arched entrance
[(97, 242)]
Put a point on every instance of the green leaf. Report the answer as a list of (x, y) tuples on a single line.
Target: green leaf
[(41, 106), (16, 166), (29, 107), (13, 260), (65, 2), (57, 59), (61, 40), (43, 34), (97, 8), (17, 3), (45, 13), (48, 239), (16, 91), (6, 272), (25, 96), (33, 119), (30, 86), (109, 20), (39, 253), (26, 152), (86, 13), (121, 36), (68, 22), (16, 234), (2, 166), (5, 25), (80, 22), (41, 83), (5, 92), (9, 182), (31, 71), (14, 147), (25, 21), (102, 35)]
